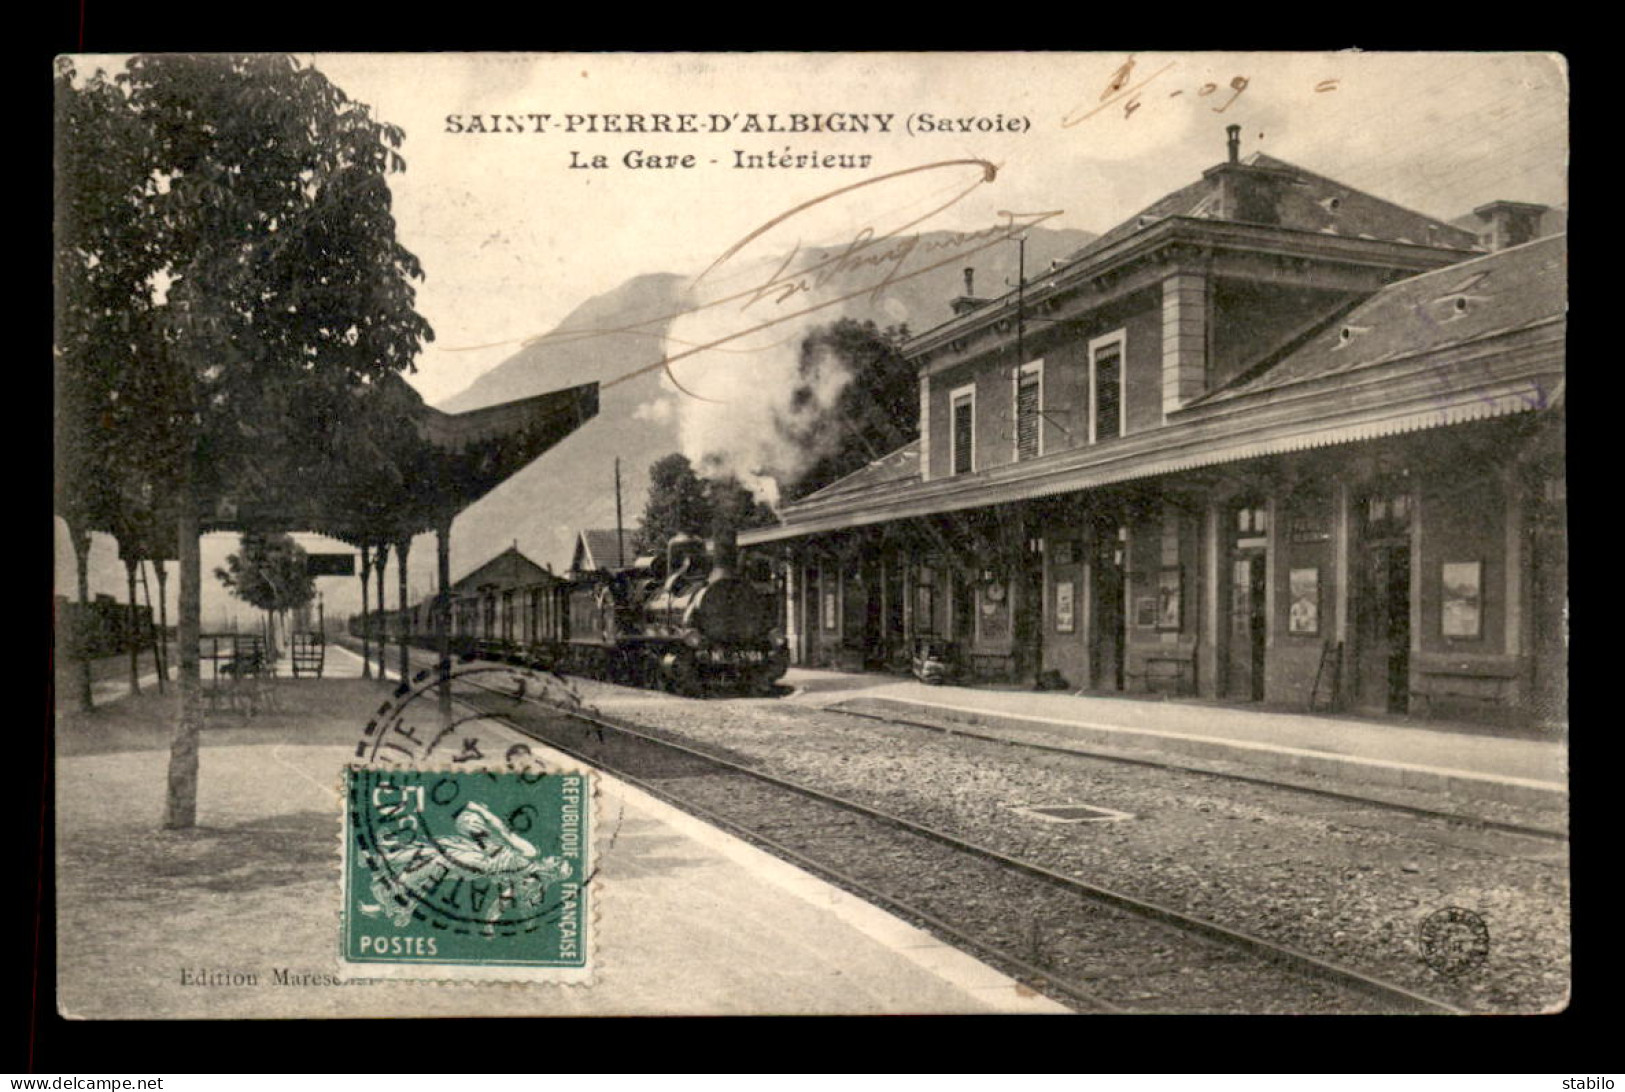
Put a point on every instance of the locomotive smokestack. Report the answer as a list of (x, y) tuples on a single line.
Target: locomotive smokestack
[(724, 550)]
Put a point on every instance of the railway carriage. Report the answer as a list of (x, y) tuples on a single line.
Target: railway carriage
[(686, 621)]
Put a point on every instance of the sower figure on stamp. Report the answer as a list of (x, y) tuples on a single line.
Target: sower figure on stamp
[(484, 850)]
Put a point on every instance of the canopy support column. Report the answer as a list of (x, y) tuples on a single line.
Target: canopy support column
[(401, 548), (379, 561), (442, 542)]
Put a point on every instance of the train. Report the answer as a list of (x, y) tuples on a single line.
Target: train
[(686, 621)]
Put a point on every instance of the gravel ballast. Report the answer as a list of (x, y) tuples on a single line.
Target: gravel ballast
[(1340, 880)]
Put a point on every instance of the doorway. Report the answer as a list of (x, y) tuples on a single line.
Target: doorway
[(1244, 675), (1383, 604), (1106, 636), (964, 627), (1249, 601), (874, 652)]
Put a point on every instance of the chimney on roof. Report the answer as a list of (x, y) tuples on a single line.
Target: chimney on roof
[(1509, 223), (1247, 192), (969, 301)]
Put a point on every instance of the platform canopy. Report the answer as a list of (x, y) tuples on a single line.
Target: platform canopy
[(460, 458)]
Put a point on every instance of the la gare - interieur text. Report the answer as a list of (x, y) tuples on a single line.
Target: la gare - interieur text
[(639, 159)]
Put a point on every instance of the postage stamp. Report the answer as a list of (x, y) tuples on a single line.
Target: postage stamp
[(475, 875)]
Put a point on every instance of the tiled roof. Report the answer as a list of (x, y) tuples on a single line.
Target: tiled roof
[(507, 569), (900, 465), (1307, 202), (1479, 298), (602, 550)]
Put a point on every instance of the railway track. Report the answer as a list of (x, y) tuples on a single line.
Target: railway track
[(1093, 948), (1528, 830)]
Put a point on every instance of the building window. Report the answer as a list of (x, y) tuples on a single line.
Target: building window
[(1106, 386), (1387, 511), (1029, 403), (1252, 519), (963, 402)]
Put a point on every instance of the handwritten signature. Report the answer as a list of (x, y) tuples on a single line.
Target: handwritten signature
[(1119, 92), (872, 261)]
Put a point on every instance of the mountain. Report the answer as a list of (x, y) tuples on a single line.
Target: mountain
[(572, 486)]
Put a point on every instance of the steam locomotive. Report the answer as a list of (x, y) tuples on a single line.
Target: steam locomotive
[(688, 622)]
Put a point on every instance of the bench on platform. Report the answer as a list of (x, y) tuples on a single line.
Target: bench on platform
[(1478, 681), (1165, 672), (237, 672)]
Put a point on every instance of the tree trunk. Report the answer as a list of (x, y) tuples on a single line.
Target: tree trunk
[(442, 623), (366, 638), (180, 807), (152, 631), (401, 549), (132, 632), (80, 538), (383, 622), (162, 569)]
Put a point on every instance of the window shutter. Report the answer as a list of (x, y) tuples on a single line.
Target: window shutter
[(1027, 419), (1108, 395), (962, 437)]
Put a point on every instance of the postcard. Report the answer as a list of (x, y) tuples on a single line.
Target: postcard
[(810, 533)]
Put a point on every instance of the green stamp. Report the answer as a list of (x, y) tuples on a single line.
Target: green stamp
[(467, 874)]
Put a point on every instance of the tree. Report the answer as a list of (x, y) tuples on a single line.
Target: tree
[(677, 504), (269, 572), (874, 415), (102, 272), (681, 502), (275, 287)]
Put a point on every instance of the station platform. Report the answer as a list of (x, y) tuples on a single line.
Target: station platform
[(690, 921), (1357, 755)]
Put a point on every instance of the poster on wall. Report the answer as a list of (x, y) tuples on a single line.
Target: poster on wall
[(994, 621), (1064, 619), (829, 610), (1463, 614), (1303, 617), (1168, 599)]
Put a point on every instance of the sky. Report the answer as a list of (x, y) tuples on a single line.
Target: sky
[(512, 237)]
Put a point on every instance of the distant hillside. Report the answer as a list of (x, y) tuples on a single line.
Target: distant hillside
[(573, 485)]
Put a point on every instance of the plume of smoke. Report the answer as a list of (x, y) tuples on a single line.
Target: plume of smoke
[(754, 407)]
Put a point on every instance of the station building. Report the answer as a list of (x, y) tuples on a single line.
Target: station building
[(1273, 439), (508, 598)]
